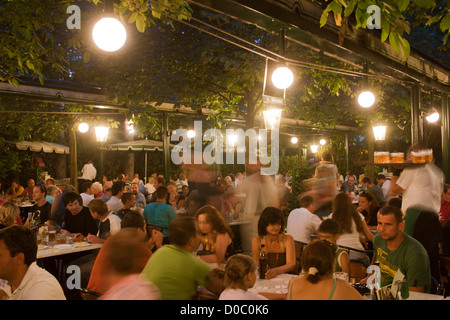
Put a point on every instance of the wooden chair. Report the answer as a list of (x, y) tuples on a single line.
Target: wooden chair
[(298, 255), (358, 271)]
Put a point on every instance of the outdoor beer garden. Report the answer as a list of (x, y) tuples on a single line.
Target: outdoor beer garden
[(224, 150)]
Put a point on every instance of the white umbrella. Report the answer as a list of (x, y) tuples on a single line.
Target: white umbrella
[(41, 146)]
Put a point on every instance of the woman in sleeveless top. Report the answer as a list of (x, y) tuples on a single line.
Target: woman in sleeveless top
[(216, 235), (316, 281), (280, 248)]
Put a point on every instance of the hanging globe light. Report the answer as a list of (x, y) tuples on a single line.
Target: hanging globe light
[(366, 99), (83, 127), (109, 34), (282, 78)]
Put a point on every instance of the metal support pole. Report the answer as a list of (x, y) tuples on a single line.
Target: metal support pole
[(346, 153), (416, 123), (166, 142), (445, 114)]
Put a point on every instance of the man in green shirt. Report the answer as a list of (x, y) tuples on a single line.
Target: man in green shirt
[(394, 250), (173, 268)]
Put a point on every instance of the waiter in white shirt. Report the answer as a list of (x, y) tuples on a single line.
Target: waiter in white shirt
[(89, 172)]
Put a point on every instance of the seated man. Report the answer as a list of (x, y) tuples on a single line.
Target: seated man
[(28, 192), (140, 198), (86, 192), (125, 281), (24, 280), (134, 224), (78, 222), (109, 222), (375, 189), (114, 204), (129, 200), (159, 213), (394, 250), (302, 223), (173, 268), (42, 208)]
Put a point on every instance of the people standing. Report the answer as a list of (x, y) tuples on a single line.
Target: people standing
[(260, 192), (421, 189), (88, 171), (160, 214)]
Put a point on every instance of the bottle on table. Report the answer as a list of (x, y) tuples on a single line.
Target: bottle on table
[(262, 262)]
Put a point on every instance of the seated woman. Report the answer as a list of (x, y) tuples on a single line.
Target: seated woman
[(216, 235), (329, 231), (353, 229), (279, 246), (316, 282), (368, 207)]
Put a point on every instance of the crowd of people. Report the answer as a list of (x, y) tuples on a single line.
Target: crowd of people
[(172, 240)]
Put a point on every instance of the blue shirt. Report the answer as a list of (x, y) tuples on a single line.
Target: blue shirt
[(159, 214)]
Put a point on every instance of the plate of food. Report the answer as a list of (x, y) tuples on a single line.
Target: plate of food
[(81, 244), (63, 246), (42, 247)]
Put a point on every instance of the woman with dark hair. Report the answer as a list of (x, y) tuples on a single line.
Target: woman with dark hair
[(316, 281), (216, 235), (351, 226), (368, 207), (279, 246)]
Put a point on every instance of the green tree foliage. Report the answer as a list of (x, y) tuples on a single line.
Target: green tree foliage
[(398, 18)]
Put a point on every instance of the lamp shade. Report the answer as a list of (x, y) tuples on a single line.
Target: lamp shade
[(101, 133), (379, 132), (272, 118), (109, 34), (314, 148)]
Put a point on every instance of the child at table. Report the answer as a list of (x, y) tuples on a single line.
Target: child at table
[(240, 275), (329, 230)]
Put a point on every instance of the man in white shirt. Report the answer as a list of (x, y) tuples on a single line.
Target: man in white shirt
[(302, 223), (421, 188), (89, 172), (21, 278), (86, 193)]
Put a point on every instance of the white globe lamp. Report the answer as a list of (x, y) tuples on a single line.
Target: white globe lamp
[(282, 78), (366, 99), (109, 34)]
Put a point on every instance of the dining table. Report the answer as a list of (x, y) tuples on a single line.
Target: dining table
[(67, 248), (273, 289)]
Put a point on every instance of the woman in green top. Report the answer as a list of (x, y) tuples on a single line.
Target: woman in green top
[(316, 282)]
